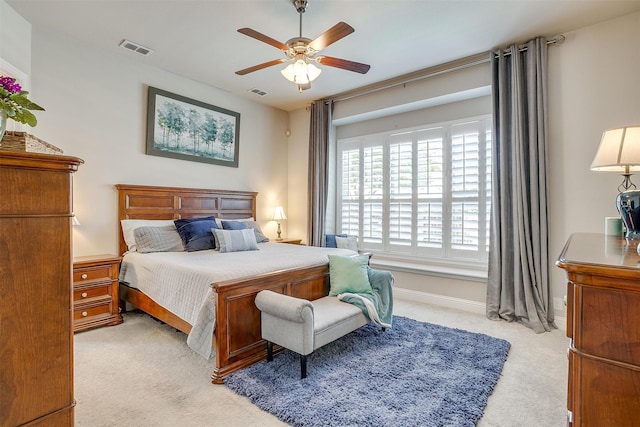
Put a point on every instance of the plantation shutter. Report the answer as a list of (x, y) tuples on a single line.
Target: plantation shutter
[(350, 191), (373, 175), (400, 189), (430, 186), (464, 186)]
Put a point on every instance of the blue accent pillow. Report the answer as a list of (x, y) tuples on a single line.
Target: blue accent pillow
[(244, 224), (234, 225), (330, 240), (196, 233)]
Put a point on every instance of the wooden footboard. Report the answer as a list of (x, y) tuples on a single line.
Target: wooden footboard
[(238, 336)]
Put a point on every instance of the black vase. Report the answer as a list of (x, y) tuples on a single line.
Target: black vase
[(628, 204)]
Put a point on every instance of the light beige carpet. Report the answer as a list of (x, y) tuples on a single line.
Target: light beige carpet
[(141, 373)]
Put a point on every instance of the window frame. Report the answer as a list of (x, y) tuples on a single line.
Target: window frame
[(446, 258)]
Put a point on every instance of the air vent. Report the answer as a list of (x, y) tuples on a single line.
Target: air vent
[(135, 47), (258, 91)]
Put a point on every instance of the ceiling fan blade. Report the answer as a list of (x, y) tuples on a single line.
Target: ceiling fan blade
[(332, 35), (265, 39), (344, 64), (261, 66)]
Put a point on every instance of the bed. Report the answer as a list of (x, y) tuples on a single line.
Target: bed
[(236, 339)]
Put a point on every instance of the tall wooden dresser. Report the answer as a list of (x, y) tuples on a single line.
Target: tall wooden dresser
[(36, 333), (603, 323)]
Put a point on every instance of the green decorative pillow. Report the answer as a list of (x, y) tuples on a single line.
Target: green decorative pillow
[(348, 274)]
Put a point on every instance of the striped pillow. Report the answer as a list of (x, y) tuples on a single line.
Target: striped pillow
[(158, 239), (235, 240)]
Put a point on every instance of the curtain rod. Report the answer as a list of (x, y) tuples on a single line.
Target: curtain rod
[(412, 77), (559, 39), (447, 67)]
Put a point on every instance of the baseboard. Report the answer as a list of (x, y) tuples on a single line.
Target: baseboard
[(452, 302), (440, 300)]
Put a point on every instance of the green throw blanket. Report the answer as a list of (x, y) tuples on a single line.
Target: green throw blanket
[(378, 305)]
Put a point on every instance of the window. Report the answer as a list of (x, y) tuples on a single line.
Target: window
[(420, 193)]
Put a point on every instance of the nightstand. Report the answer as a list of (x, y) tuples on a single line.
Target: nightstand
[(95, 291), (290, 241)]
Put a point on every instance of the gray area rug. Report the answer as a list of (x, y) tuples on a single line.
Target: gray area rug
[(415, 374)]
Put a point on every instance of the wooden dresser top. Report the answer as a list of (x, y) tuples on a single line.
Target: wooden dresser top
[(598, 251)]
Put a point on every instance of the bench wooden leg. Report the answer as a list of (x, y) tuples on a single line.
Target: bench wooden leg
[(303, 366), (269, 351)]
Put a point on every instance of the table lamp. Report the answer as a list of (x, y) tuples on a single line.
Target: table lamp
[(619, 151), (278, 215)]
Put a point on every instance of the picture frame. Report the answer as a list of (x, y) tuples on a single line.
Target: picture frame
[(182, 128)]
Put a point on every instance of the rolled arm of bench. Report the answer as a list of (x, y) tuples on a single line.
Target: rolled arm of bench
[(284, 306), (286, 321)]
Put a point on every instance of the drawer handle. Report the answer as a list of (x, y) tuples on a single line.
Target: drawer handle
[(84, 314), (84, 295), (84, 275)]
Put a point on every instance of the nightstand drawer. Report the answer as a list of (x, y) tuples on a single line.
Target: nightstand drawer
[(95, 292), (86, 293), (90, 312), (99, 273)]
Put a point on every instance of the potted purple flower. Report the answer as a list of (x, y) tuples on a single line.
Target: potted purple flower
[(15, 105)]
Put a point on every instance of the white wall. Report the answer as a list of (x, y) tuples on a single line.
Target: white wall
[(15, 38), (594, 85), (299, 122), (96, 110), (15, 52)]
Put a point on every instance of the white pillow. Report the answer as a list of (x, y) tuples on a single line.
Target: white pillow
[(129, 225), (350, 242)]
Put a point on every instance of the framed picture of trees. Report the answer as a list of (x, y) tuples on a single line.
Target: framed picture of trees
[(187, 129)]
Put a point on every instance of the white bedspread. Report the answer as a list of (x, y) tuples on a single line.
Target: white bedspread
[(180, 281)]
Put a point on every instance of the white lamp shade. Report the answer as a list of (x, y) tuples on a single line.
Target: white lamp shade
[(301, 72), (619, 150), (278, 214)]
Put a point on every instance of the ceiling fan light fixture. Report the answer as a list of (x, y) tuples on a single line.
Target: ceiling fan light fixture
[(301, 72), (302, 50)]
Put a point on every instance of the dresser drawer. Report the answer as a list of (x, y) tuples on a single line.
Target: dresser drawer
[(90, 312), (94, 274), (87, 293)]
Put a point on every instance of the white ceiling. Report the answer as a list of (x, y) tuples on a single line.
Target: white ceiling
[(198, 39)]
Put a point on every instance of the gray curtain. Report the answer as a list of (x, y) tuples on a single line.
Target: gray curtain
[(319, 132), (518, 285)]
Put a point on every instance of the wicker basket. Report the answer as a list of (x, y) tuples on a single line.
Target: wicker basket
[(22, 141)]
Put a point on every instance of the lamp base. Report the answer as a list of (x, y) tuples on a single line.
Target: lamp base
[(628, 204)]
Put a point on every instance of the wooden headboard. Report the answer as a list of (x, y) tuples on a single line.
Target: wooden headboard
[(147, 202)]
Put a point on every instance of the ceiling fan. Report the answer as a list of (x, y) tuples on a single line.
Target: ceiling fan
[(303, 52)]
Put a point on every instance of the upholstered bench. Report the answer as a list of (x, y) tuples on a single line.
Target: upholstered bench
[(303, 326)]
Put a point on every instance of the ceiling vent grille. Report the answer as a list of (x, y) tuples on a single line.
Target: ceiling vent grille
[(258, 91), (135, 47)]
